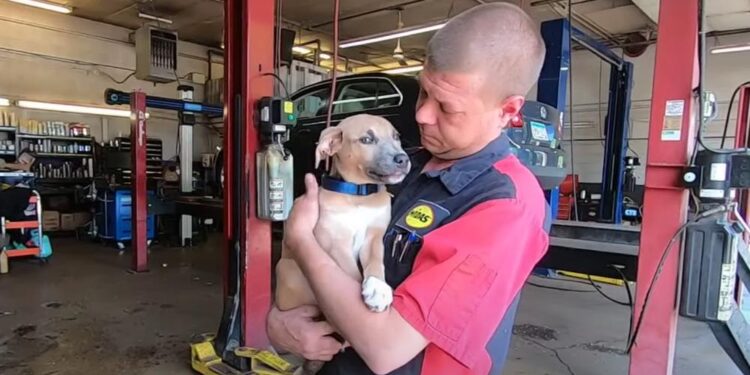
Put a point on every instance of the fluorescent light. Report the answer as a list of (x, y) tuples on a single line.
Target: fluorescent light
[(301, 50), (45, 5), (73, 108), (325, 56), (732, 48), (406, 69), (154, 18), (391, 35), (4, 102)]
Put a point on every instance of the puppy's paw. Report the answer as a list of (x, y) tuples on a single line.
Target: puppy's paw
[(377, 294)]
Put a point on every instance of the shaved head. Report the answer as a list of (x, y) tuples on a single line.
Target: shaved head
[(498, 41)]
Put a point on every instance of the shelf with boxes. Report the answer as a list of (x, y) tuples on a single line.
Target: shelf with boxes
[(53, 138), (64, 151)]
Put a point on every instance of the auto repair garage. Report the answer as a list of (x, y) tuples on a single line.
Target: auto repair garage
[(151, 152)]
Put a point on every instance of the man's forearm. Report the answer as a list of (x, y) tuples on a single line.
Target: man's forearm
[(339, 298)]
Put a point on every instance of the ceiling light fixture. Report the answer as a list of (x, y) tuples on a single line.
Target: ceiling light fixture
[(45, 5), (301, 50), (154, 18), (730, 48), (406, 69), (4, 102), (324, 56), (73, 108), (400, 33)]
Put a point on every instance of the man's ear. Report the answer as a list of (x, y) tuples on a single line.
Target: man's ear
[(329, 143), (509, 108)]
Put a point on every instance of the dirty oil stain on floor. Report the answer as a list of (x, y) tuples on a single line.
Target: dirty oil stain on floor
[(535, 332)]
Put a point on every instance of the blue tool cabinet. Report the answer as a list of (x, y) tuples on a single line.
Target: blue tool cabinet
[(114, 215)]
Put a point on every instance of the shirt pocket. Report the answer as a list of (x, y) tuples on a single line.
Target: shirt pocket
[(460, 296)]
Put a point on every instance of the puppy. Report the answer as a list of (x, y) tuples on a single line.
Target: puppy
[(366, 155)]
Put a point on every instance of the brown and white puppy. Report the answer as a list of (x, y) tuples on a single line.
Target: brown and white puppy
[(364, 149)]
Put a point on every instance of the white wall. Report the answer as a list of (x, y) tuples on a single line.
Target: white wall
[(723, 74), (51, 57)]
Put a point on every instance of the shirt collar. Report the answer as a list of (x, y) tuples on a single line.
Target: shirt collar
[(456, 177)]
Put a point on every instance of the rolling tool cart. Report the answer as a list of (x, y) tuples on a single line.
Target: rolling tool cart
[(36, 243), (114, 216)]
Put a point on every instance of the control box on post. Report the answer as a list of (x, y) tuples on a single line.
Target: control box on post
[(275, 171)]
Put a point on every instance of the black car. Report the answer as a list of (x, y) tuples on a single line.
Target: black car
[(534, 134), (391, 96)]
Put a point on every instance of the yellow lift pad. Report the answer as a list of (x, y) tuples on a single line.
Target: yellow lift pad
[(204, 360)]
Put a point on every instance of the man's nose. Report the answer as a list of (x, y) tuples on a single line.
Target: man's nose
[(425, 113), (401, 160)]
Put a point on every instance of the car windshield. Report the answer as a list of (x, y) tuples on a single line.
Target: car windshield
[(354, 96)]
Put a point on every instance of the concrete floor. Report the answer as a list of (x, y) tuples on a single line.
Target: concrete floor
[(84, 314)]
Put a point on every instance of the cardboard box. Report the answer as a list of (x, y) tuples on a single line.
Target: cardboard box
[(50, 221), (81, 218), (67, 222)]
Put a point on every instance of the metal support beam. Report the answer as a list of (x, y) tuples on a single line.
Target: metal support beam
[(187, 121), (616, 146), (671, 139), (552, 84), (249, 36), (742, 140), (257, 58), (138, 187)]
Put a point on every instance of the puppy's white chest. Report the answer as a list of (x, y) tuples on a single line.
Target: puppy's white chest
[(354, 223)]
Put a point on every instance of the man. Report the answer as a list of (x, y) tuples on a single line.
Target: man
[(468, 225)]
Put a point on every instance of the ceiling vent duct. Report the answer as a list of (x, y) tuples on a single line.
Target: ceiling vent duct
[(155, 54)]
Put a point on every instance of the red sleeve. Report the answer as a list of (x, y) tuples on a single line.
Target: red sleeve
[(468, 272)]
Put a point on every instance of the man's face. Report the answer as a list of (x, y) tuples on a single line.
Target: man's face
[(457, 114)]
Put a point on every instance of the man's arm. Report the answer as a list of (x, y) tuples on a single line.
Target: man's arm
[(339, 297)]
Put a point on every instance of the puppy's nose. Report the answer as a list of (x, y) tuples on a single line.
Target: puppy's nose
[(401, 159)]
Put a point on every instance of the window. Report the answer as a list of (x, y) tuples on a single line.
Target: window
[(353, 97), (313, 104), (360, 96)]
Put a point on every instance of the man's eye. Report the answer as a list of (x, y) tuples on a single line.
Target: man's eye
[(367, 140)]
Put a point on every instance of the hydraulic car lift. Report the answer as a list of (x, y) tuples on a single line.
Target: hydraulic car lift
[(187, 109)]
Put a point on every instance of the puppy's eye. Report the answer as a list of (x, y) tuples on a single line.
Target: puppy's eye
[(367, 140), (396, 136)]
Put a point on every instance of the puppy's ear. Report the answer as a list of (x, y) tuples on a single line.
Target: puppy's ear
[(329, 143)]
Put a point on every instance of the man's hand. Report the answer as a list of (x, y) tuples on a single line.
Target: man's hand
[(298, 228), (297, 331)]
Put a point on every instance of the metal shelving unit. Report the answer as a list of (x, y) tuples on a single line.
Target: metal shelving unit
[(54, 137), (54, 154)]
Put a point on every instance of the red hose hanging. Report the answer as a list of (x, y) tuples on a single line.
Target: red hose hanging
[(333, 72)]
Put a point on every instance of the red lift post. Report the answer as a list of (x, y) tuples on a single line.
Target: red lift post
[(138, 194), (670, 142), (249, 55), (742, 140)]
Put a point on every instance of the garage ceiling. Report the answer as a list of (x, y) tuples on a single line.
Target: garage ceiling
[(721, 15), (201, 21)]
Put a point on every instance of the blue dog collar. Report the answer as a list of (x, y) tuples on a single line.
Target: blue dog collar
[(341, 186)]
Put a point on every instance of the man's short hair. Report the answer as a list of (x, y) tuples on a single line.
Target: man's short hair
[(498, 40)]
